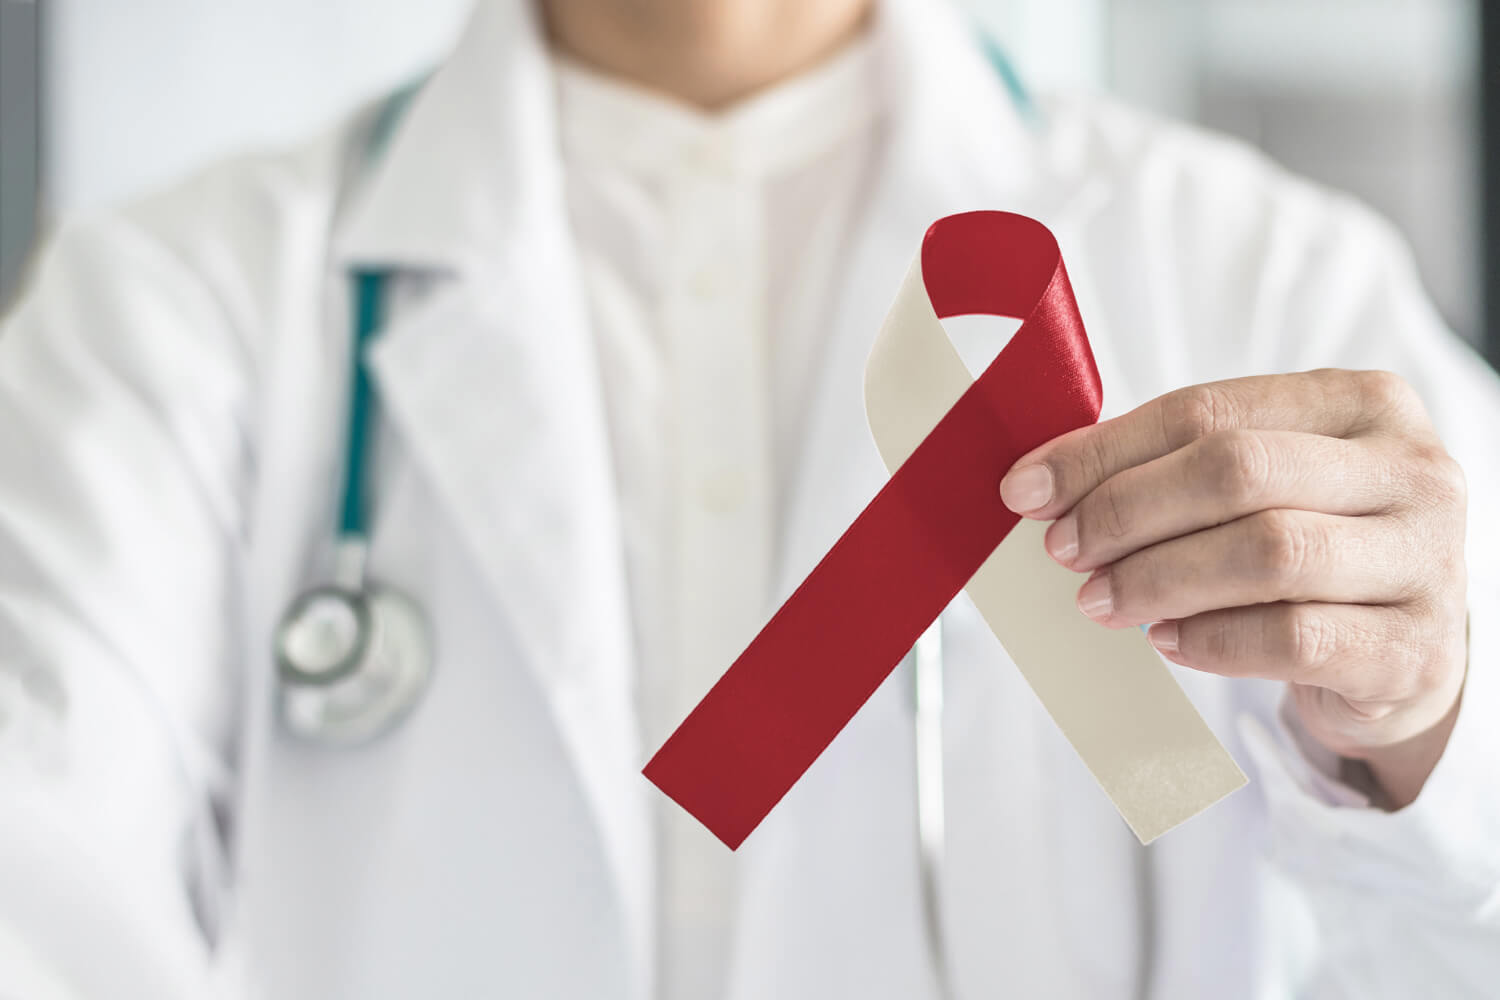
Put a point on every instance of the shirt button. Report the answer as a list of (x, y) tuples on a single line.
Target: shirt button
[(722, 491)]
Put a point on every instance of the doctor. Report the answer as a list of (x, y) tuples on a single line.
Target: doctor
[(633, 256)]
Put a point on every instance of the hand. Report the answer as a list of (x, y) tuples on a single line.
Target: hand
[(1307, 528)]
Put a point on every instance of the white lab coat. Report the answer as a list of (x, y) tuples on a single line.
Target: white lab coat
[(171, 400)]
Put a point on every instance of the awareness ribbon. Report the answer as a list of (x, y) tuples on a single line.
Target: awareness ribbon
[(935, 528)]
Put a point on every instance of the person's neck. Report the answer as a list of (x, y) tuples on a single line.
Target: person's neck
[(709, 53)]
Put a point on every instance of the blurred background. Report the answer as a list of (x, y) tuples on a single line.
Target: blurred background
[(100, 99)]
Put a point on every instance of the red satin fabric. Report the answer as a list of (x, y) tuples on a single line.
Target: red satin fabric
[(910, 551)]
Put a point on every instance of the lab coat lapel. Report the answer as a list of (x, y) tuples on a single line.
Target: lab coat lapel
[(491, 383)]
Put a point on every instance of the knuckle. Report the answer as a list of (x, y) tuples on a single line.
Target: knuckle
[(1079, 467), (1432, 484), (1451, 569), (1216, 641), (1431, 644), (1236, 466), (1094, 464), (1426, 671), (1309, 639), (1443, 483), (1383, 392), (1106, 515), (1411, 568), (1192, 413), (1283, 546)]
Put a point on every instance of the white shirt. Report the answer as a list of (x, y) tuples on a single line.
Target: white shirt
[(711, 247)]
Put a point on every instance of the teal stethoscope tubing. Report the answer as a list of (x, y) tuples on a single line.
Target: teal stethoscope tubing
[(368, 293)]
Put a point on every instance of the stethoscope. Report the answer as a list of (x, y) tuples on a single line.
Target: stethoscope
[(354, 657)]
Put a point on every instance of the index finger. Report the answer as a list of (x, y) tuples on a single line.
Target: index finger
[(1047, 481)]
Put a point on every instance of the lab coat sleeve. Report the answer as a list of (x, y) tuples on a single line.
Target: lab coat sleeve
[(1408, 903), (123, 458)]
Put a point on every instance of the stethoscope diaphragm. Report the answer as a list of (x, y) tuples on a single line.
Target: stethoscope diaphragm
[(351, 663)]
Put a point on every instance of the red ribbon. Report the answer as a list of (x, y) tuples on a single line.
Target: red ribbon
[(910, 551)]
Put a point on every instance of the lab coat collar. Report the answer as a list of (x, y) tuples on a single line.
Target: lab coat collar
[(468, 173)]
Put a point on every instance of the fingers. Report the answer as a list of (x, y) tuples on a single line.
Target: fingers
[(1219, 478), (1049, 480), (1370, 656), (1273, 555)]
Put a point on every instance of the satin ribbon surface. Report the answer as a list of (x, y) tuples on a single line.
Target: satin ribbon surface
[(935, 528)]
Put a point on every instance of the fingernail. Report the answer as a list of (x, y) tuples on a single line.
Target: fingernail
[(1027, 488), (1094, 598), (1163, 636), (1062, 539)]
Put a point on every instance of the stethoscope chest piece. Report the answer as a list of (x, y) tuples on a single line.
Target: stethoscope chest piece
[(351, 663), (352, 657)]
